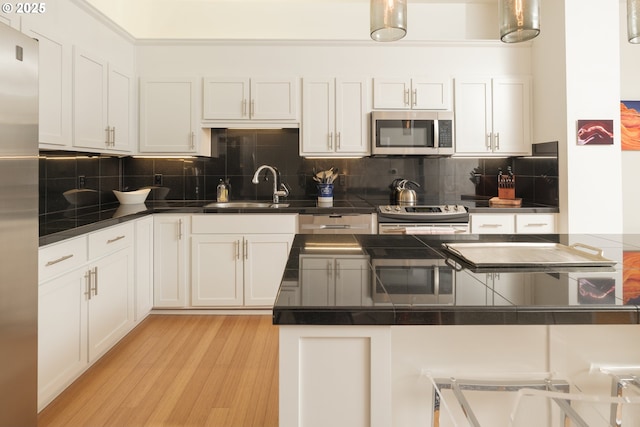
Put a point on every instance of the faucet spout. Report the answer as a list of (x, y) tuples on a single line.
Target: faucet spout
[(276, 182)]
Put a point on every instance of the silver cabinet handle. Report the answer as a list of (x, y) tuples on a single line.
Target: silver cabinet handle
[(193, 137), (115, 239), (330, 140), (497, 140), (87, 280), (113, 136), (107, 131), (246, 249), (329, 268), (491, 225), (180, 229), (414, 99), (244, 107), (338, 140), (252, 109), (237, 249), (536, 224), (95, 281), (55, 261), (406, 97), (337, 269), (488, 141)]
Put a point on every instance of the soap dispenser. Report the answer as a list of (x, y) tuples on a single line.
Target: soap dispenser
[(222, 191)]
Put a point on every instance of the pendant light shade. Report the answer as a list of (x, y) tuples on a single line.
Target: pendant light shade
[(388, 20), (519, 20), (633, 21)]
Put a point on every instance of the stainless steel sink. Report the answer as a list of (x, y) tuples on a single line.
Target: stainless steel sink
[(245, 204)]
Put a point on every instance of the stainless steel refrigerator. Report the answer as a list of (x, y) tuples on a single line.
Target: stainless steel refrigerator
[(18, 228)]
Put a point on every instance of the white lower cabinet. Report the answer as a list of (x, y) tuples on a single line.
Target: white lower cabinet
[(170, 256), (232, 268), (143, 267), (85, 310), (509, 223), (335, 281)]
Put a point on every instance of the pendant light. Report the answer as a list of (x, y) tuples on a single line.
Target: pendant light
[(519, 20), (633, 21), (388, 20)]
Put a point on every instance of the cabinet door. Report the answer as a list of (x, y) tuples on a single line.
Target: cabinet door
[(62, 333), (391, 93), (317, 283), (226, 98), (492, 223), (430, 93), (265, 257), (168, 115), (120, 103), (512, 115), (473, 116), (471, 288), (169, 261), (353, 282), (216, 270), (89, 101), (273, 99), (535, 223), (55, 88), (351, 116), (143, 267), (110, 312), (318, 116)]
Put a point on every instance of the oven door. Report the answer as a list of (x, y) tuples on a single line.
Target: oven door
[(423, 228), (413, 282)]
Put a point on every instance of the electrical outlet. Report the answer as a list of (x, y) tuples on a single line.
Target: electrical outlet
[(342, 180), (81, 181), (157, 179)]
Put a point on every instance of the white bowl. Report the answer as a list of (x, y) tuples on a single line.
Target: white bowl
[(132, 197)]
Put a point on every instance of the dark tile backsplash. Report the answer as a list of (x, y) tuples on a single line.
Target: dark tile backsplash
[(241, 152)]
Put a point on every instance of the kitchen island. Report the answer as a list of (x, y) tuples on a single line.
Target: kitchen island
[(366, 321)]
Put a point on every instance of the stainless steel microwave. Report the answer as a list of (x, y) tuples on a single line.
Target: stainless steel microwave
[(404, 133)]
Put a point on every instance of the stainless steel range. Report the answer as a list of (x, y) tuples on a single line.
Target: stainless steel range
[(426, 219)]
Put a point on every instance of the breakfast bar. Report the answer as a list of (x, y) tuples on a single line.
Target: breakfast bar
[(369, 323)]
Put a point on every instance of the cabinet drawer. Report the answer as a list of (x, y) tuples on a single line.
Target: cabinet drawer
[(110, 240), (61, 257), (492, 223), (535, 223), (244, 224)]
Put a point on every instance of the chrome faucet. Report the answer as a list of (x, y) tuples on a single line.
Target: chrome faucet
[(276, 182)]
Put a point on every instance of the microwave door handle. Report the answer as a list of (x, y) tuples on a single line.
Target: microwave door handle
[(436, 134)]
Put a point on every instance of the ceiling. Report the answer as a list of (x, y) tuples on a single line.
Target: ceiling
[(293, 19)]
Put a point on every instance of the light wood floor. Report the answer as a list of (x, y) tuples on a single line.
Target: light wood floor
[(193, 370)]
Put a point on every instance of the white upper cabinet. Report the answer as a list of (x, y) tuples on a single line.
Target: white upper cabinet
[(417, 93), (102, 100), (169, 116), (55, 56), (493, 116), (334, 117), (238, 98), (10, 19)]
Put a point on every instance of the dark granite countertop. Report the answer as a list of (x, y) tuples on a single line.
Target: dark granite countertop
[(76, 220), (388, 280)]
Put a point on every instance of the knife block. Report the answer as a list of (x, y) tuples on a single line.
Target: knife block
[(507, 187)]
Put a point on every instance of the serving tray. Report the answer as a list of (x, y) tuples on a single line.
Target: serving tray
[(525, 254)]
